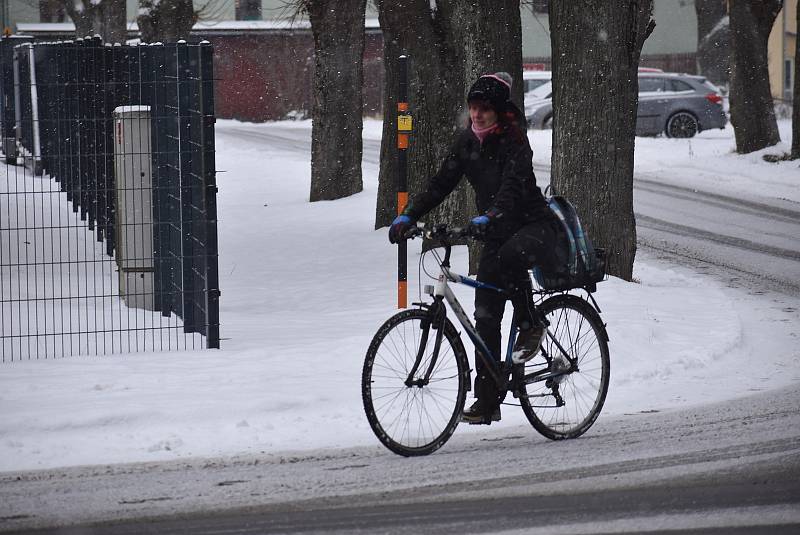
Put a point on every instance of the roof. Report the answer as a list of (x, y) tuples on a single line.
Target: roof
[(204, 27), (648, 74), (536, 75)]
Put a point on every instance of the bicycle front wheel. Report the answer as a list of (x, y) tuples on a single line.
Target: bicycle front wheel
[(413, 416), (566, 406)]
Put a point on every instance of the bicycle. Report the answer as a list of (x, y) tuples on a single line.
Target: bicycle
[(414, 384)]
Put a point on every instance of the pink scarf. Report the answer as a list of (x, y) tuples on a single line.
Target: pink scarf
[(481, 133)]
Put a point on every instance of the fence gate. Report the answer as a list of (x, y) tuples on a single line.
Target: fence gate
[(108, 225)]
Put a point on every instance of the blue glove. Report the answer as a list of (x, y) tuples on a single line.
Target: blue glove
[(399, 227), (478, 225)]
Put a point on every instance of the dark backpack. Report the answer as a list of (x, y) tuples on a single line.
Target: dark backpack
[(586, 266)]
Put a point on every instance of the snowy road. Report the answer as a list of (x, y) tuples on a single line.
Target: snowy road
[(746, 241), (722, 465), (758, 238)]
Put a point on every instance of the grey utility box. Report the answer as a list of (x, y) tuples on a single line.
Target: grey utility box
[(134, 206)]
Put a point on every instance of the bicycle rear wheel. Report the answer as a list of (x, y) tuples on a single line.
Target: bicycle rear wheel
[(417, 419), (567, 406)]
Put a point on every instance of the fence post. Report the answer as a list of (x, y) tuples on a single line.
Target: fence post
[(209, 174), (44, 88), (109, 96), (169, 182), (95, 132), (72, 147), (37, 148), (83, 131), (189, 248), (17, 103), (160, 212)]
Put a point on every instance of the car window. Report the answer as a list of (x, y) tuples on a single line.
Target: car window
[(679, 85), (711, 86), (530, 85), (649, 84), (543, 91)]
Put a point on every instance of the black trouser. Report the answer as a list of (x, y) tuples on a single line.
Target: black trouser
[(505, 264)]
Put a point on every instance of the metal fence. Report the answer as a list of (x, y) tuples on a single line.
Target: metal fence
[(108, 227)]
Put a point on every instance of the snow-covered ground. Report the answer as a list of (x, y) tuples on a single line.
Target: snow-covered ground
[(305, 286)]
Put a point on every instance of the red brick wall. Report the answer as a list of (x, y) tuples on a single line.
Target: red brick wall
[(268, 75)]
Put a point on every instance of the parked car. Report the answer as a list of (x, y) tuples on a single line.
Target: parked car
[(539, 106), (677, 105)]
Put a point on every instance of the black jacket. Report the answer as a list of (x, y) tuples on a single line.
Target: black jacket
[(501, 173)]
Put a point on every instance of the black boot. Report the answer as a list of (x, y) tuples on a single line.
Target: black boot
[(479, 413), (531, 324), (528, 343), (486, 408)]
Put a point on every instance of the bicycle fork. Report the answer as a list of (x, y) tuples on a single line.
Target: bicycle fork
[(436, 316)]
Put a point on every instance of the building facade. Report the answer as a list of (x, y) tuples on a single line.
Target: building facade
[(265, 65), (781, 52), (675, 33)]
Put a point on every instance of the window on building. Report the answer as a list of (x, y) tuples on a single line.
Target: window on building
[(248, 9), (788, 73)]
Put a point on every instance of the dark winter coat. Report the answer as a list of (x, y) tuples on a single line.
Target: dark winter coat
[(501, 173)]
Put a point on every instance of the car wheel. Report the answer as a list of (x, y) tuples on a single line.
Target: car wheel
[(547, 124), (682, 124)]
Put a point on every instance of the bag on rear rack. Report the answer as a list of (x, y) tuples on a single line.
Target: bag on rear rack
[(586, 265)]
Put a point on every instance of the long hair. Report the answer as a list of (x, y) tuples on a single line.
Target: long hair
[(512, 121)]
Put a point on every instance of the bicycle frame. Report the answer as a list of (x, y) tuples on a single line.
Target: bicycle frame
[(441, 291)]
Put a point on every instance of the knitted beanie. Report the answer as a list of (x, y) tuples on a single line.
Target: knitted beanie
[(495, 89)]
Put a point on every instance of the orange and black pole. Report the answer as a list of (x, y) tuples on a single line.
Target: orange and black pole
[(404, 126)]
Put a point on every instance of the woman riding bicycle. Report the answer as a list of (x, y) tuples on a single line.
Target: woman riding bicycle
[(520, 231)]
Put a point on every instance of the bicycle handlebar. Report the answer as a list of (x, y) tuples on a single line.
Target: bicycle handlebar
[(443, 233)]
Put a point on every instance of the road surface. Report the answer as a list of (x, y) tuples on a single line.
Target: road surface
[(715, 467)]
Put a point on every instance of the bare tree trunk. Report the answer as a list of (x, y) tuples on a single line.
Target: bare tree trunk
[(448, 48), (796, 93), (165, 20), (596, 50), (336, 144), (490, 34), (105, 18), (436, 84), (752, 109), (713, 40), (81, 17)]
